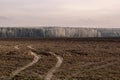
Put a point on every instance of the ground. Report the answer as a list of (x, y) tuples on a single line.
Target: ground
[(83, 59)]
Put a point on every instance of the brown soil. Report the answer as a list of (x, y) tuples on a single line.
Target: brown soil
[(83, 59)]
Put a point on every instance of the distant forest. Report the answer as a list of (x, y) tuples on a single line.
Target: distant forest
[(58, 32)]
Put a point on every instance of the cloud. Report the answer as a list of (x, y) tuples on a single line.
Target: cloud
[(61, 12), (3, 18)]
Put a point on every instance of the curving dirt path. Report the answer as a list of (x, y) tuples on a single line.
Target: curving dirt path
[(53, 70), (35, 60)]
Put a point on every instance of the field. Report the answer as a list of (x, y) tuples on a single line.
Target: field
[(60, 59)]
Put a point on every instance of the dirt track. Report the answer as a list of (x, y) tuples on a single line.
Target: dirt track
[(106, 63), (53, 70), (87, 60), (36, 59)]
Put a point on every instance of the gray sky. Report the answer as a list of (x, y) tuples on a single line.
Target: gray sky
[(81, 13)]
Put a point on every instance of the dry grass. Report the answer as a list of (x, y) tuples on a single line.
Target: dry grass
[(83, 59)]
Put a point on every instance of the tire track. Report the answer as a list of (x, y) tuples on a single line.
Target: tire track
[(53, 70), (35, 60), (102, 64)]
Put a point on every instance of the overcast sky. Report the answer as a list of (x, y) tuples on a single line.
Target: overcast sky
[(79, 13)]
